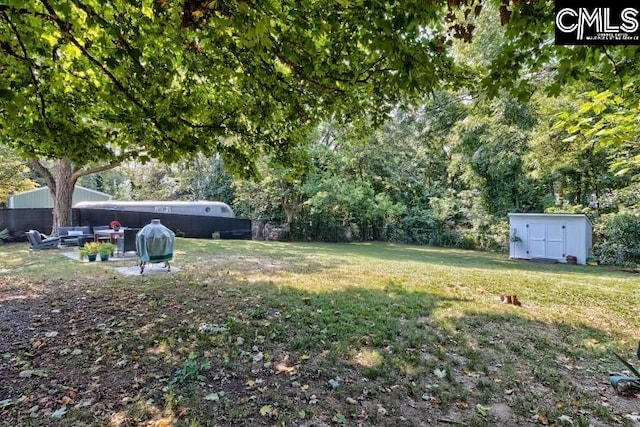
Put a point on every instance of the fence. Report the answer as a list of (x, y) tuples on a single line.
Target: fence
[(195, 226), (19, 221)]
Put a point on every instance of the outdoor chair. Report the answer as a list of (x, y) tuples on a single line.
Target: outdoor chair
[(41, 241), (127, 243), (74, 235)]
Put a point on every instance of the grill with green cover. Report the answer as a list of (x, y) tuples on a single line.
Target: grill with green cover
[(154, 244)]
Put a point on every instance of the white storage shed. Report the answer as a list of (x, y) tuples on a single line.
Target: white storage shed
[(550, 236)]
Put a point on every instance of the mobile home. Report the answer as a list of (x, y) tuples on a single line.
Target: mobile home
[(200, 207)]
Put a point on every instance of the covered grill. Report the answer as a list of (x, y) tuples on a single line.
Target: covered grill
[(154, 244)]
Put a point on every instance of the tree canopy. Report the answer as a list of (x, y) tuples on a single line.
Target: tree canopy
[(97, 81), (163, 78)]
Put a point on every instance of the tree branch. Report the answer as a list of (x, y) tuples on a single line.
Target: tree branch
[(65, 28), (82, 172), (297, 68), (105, 23), (34, 79), (22, 11), (101, 168), (45, 173), (615, 67)]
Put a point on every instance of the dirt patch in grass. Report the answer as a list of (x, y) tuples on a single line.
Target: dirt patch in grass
[(212, 346)]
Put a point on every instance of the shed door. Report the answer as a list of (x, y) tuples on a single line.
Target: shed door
[(555, 241), (546, 240), (537, 237)]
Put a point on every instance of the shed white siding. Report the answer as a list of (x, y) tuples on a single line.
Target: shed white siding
[(41, 197), (554, 236)]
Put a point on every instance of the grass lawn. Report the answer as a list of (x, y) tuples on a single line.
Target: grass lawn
[(263, 333)]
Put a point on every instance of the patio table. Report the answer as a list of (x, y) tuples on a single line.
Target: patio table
[(112, 234)]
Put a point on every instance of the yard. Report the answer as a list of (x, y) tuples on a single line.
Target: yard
[(262, 333)]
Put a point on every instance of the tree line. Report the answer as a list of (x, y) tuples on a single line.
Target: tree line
[(412, 121)]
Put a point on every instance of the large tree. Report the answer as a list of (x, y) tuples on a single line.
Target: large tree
[(87, 84)]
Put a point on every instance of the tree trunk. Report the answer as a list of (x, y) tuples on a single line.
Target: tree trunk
[(62, 194), (62, 183)]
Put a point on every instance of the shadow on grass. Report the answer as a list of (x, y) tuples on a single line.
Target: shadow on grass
[(235, 353)]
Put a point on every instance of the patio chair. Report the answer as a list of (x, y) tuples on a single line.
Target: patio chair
[(127, 243), (74, 235), (41, 241)]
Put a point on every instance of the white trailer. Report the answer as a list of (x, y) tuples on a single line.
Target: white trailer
[(550, 236), (200, 207)]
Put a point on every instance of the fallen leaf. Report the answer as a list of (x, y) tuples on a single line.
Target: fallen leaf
[(483, 410), (440, 373), (565, 419), (214, 397), (266, 410), (339, 418), (27, 373), (59, 413), (51, 334), (335, 382)]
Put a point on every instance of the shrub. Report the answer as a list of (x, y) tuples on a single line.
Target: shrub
[(618, 240), (422, 227), (491, 233), (106, 248)]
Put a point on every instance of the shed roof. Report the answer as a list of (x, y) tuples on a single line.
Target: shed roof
[(542, 214), (45, 188), (41, 197)]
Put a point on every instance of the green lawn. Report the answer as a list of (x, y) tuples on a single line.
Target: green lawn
[(264, 333)]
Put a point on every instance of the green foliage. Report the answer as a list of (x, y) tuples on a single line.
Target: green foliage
[(106, 248), (491, 233), (91, 247), (422, 226), (618, 240), (489, 149), (570, 159), (14, 174), (523, 58), (96, 80), (605, 123), (191, 370)]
